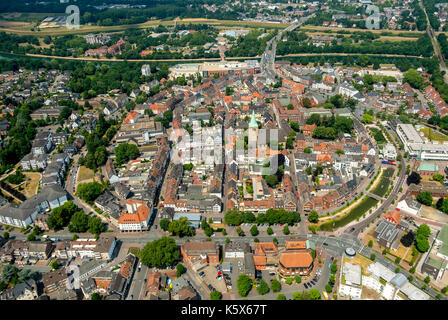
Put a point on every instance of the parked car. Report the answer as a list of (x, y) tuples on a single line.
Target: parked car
[(211, 288), (306, 285), (202, 274), (313, 282)]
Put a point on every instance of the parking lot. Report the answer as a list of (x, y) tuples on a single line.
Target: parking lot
[(209, 276)]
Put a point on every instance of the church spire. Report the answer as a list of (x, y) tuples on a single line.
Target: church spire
[(253, 123)]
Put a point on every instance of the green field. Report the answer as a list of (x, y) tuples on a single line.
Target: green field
[(355, 213), (378, 135), (383, 185), (433, 135)]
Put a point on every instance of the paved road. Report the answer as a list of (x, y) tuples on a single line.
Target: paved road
[(197, 284), (136, 291), (435, 43), (268, 57), (383, 207)]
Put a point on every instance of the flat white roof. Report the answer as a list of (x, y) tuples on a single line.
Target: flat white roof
[(352, 273), (380, 271), (410, 133), (414, 293)]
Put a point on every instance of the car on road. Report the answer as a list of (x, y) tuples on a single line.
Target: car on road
[(352, 229), (325, 244), (202, 274), (332, 258)]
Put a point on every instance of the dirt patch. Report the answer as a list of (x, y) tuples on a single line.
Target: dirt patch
[(85, 175), (433, 214), (31, 184), (370, 294), (14, 24), (358, 260)]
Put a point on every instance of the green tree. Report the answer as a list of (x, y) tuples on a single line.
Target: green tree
[(160, 253), (96, 296), (286, 230), (425, 198), (269, 231), (271, 180), (180, 269), (89, 191), (79, 222), (298, 279), (254, 230), (215, 295), (244, 285), (414, 78), (281, 296), (181, 227), (370, 244), (55, 265), (424, 230), (60, 216), (164, 224), (314, 294), (328, 288), (367, 118), (125, 152), (233, 218), (96, 225), (276, 286), (262, 287), (313, 216), (422, 243)]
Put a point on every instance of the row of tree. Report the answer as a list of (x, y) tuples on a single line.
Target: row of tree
[(272, 216)]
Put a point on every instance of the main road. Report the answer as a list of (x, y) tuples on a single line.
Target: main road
[(268, 57)]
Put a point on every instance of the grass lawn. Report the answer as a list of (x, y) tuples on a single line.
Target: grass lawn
[(360, 260), (85, 174), (401, 252), (383, 186), (31, 186), (355, 213), (134, 250), (433, 135)]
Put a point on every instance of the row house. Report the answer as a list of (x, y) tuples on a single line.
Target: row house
[(29, 250), (101, 249)]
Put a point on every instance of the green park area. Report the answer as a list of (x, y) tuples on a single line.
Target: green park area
[(383, 185), (355, 213)]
